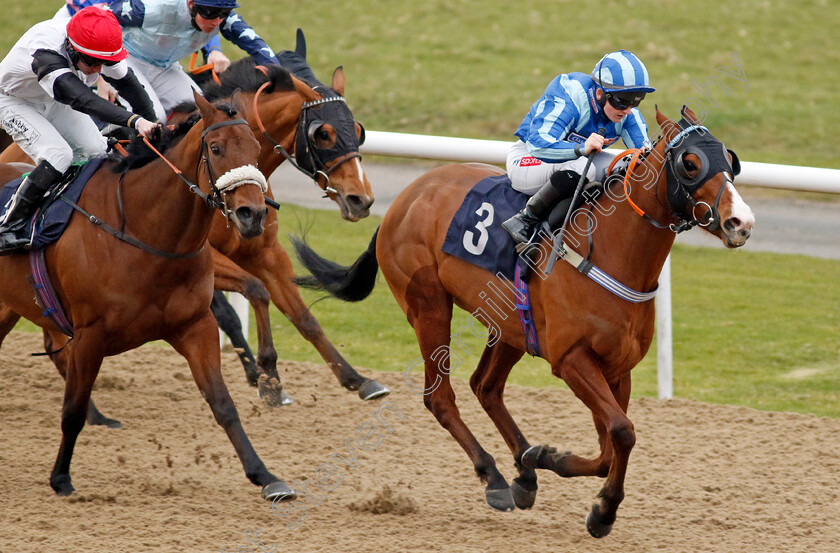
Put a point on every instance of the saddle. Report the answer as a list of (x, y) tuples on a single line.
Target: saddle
[(51, 220)]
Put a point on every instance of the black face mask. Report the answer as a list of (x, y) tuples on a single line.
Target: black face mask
[(713, 157), (334, 111)]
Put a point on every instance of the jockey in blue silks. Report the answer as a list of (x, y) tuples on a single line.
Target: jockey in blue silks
[(561, 129), (158, 33)]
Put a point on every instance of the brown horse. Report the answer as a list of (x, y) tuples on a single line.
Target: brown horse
[(119, 295), (259, 268), (591, 337)]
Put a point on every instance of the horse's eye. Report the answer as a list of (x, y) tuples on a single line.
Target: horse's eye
[(322, 134), (689, 166), (215, 149)]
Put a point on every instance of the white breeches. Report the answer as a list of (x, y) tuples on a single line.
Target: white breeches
[(167, 87), (528, 174), (51, 131)]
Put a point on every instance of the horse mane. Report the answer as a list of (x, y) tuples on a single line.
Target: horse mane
[(242, 75), (163, 138)]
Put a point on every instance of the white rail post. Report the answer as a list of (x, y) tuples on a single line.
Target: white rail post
[(664, 349)]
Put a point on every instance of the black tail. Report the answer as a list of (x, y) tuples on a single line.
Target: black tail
[(353, 283)]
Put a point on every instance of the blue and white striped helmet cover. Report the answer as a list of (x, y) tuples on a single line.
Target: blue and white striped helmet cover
[(621, 70)]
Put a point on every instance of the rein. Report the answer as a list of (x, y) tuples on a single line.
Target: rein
[(319, 167), (232, 179)]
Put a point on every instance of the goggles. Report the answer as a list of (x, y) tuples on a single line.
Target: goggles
[(624, 100), (212, 12), (91, 61)]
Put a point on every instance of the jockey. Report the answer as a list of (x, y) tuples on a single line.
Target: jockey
[(45, 101), (158, 33), (560, 131)]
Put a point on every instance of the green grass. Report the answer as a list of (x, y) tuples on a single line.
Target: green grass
[(472, 69)]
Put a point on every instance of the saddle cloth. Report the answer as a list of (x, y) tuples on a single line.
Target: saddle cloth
[(51, 220)]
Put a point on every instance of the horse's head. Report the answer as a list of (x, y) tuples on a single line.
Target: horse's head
[(699, 172), (327, 146), (229, 156)]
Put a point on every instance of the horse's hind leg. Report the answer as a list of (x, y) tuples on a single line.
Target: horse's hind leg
[(273, 267), (199, 344), (84, 359), (228, 321), (55, 342), (429, 310), (488, 385)]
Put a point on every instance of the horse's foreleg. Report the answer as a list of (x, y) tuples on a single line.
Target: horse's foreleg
[(488, 385), (231, 277), (585, 378), (84, 358), (228, 321), (54, 342), (275, 270), (8, 320), (429, 310), (199, 344)]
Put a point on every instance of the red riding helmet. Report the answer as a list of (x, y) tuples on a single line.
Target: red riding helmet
[(96, 33)]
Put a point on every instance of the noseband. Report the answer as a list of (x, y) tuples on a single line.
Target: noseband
[(236, 177)]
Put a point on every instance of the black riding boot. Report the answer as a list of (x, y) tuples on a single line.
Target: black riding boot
[(14, 229), (523, 226)]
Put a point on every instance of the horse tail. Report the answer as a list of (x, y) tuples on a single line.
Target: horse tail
[(353, 283)]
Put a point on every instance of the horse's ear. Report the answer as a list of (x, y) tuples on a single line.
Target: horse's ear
[(300, 44), (305, 90), (238, 102), (688, 115), (338, 80), (669, 128), (205, 107)]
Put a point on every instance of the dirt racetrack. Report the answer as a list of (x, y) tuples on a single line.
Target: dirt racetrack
[(701, 478)]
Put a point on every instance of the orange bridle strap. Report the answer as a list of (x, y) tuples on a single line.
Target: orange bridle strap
[(264, 71), (196, 70), (633, 161)]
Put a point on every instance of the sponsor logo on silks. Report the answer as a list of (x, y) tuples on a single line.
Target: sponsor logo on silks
[(529, 161), (19, 129), (580, 139), (593, 102)]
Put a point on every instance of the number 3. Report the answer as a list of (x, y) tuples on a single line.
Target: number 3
[(477, 247)]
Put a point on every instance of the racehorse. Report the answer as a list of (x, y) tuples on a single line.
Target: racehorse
[(590, 336), (155, 283), (317, 127)]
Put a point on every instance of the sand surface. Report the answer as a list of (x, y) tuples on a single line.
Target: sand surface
[(701, 478)]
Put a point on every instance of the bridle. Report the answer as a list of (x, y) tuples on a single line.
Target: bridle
[(308, 158), (681, 187), (232, 179)]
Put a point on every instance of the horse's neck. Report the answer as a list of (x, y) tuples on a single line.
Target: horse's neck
[(279, 113), (627, 246), (159, 207)]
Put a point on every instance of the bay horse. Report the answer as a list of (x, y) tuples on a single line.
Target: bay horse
[(120, 295), (591, 337), (288, 115)]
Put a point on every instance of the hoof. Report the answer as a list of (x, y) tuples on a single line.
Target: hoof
[(596, 528), (62, 485), (371, 389), (271, 392), (530, 457), (501, 500), (278, 491), (523, 498)]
